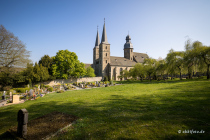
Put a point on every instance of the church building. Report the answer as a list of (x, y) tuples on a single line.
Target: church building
[(110, 66)]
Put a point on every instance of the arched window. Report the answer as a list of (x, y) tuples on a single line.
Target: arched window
[(106, 61), (106, 47), (106, 54)]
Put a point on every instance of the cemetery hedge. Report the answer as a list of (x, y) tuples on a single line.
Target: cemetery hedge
[(135, 110)]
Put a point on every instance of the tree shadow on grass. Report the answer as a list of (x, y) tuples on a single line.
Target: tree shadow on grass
[(139, 117)]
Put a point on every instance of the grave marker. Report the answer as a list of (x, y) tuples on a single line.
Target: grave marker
[(22, 123)]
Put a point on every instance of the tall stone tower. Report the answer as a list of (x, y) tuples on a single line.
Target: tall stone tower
[(128, 48), (104, 55), (96, 55)]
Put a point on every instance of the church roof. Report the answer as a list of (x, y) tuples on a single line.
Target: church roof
[(139, 57), (87, 65), (121, 61), (104, 36), (97, 40), (128, 43)]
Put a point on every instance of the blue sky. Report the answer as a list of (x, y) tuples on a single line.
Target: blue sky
[(155, 26)]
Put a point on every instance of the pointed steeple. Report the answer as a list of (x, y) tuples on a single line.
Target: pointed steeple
[(97, 39), (104, 37)]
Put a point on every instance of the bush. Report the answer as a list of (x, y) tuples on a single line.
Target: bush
[(6, 88), (50, 89), (60, 91), (46, 86)]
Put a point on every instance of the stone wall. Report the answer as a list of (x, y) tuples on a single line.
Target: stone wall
[(64, 81)]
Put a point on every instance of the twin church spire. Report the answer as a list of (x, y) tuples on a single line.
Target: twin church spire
[(104, 37)]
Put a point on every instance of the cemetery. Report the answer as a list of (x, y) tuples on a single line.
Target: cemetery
[(137, 108), (20, 95)]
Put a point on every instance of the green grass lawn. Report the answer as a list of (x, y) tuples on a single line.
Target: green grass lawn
[(135, 110)]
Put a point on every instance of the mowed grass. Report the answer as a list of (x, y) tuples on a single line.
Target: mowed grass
[(156, 110)]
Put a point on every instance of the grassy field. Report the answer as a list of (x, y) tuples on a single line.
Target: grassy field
[(135, 110)]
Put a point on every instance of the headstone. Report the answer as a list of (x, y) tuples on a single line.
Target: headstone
[(81, 85), (98, 84), (15, 99), (38, 87), (10, 95), (22, 119), (31, 92), (4, 95)]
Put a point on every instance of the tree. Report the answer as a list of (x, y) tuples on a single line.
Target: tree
[(13, 52), (123, 74), (139, 70), (149, 66), (175, 61), (202, 53), (66, 64), (46, 61), (40, 73), (190, 58), (161, 68), (80, 70), (90, 72)]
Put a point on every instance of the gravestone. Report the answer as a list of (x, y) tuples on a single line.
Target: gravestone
[(22, 119), (10, 95), (4, 96), (38, 87), (31, 92), (15, 99), (98, 84)]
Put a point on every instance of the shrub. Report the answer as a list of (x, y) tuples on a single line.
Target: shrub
[(46, 86), (60, 91), (50, 89), (6, 88), (22, 97)]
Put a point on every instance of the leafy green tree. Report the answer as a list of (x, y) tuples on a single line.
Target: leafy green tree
[(133, 73), (46, 61), (29, 73), (175, 60), (90, 72), (202, 53), (149, 66), (124, 74), (66, 64), (80, 70), (139, 70), (161, 68), (40, 73), (190, 58)]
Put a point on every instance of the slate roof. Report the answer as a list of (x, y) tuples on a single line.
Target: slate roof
[(97, 40), (104, 36), (121, 61), (87, 65), (139, 57)]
